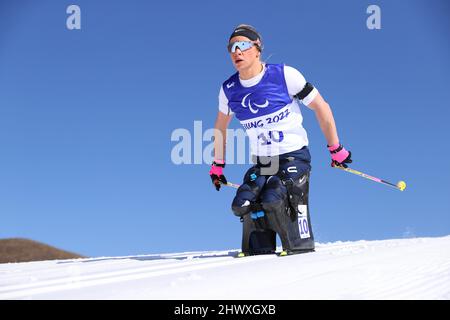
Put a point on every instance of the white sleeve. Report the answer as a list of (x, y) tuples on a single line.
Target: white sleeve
[(295, 82), (223, 103)]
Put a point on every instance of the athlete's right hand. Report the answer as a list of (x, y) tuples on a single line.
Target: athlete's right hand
[(216, 173)]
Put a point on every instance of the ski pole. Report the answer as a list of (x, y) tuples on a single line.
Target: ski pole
[(232, 185), (401, 185)]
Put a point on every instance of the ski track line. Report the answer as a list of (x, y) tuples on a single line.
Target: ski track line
[(55, 273), (51, 272), (28, 269), (114, 277), (48, 282), (93, 265)]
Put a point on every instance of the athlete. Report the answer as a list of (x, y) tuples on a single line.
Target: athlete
[(265, 99)]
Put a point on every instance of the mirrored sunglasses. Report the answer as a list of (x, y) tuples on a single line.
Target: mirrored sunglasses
[(242, 45)]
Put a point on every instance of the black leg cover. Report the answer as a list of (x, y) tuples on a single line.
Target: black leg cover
[(286, 213)]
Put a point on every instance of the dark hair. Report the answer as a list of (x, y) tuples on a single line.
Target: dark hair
[(250, 32)]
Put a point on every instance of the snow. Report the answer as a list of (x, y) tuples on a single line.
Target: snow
[(417, 268)]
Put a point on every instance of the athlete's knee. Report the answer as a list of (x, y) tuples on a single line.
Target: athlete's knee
[(248, 193), (274, 191)]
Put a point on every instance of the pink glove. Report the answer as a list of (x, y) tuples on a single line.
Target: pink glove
[(216, 173), (339, 156)]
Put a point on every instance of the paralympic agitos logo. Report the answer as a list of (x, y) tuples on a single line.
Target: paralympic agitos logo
[(247, 103)]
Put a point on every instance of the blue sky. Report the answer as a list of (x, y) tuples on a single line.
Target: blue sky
[(86, 118)]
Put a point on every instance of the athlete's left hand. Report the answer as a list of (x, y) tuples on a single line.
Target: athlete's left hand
[(339, 156)]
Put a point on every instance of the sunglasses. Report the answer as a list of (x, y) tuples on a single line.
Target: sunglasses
[(242, 45)]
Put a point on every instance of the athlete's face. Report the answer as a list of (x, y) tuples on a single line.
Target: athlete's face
[(244, 59)]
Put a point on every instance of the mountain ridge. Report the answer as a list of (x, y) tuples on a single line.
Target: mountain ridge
[(14, 250)]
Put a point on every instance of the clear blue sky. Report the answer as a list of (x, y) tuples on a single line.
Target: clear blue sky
[(86, 118)]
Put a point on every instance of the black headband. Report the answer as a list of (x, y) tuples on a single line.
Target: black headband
[(242, 31)]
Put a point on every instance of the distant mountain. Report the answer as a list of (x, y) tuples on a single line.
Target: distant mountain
[(25, 250)]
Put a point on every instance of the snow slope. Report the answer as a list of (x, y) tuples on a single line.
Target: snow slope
[(416, 268)]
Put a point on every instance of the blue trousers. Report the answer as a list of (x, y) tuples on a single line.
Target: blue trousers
[(258, 188)]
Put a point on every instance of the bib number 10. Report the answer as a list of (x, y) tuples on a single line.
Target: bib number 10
[(271, 136), (303, 225)]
